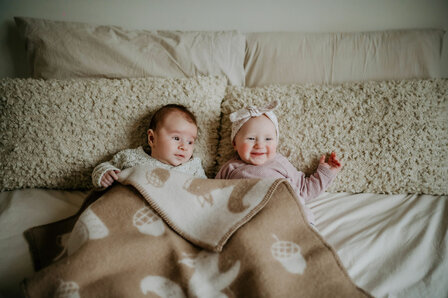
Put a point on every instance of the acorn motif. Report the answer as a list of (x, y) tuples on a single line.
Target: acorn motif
[(67, 289), (148, 222), (288, 254), (157, 177)]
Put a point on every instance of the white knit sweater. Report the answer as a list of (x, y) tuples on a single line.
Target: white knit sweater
[(132, 157)]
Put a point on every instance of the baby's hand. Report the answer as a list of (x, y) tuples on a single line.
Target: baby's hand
[(109, 177), (332, 163)]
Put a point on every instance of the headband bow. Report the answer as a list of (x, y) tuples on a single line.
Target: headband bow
[(243, 115)]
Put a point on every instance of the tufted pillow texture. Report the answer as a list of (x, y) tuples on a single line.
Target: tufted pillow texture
[(54, 132), (392, 136)]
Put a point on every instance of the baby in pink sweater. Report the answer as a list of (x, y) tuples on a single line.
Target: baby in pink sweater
[(255, 137)]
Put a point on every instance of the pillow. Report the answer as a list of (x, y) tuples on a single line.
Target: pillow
[(392, 136), (54, 132), (329, 58), (59, 49)]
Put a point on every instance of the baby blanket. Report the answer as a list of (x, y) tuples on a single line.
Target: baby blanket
[(163, 233)]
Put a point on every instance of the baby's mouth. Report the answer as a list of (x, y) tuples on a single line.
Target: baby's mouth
[(257, 153)]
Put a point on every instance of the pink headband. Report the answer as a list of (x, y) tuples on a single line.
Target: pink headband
[(243, 115)]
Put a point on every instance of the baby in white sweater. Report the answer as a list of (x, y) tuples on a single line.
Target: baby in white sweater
[(171, 136)]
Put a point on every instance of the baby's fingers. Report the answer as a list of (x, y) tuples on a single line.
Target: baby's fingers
[(322, 159), (114, 175), (333, 160), (105, 184)]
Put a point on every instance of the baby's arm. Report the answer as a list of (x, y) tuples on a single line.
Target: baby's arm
[(310, 187), (105, 173)]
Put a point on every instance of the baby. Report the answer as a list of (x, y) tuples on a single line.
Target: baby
[(255, 138), (171, 136)]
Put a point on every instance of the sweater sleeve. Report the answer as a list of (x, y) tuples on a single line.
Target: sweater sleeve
[(116, 163), (310, 187), (199, 170)]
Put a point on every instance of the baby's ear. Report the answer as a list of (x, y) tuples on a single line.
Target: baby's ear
[(150, 137)]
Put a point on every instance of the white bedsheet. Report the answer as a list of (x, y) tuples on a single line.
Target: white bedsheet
[(392, 246)]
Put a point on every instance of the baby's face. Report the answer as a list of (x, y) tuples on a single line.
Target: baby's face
[(173, 141), (256, 141)]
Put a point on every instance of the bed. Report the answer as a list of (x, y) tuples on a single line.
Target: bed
[(376, 98)]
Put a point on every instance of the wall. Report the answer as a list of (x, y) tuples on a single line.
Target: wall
[(243, 15)]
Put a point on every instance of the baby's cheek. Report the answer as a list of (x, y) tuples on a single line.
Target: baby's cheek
[(272, 149), (243, 149), (246, 148)]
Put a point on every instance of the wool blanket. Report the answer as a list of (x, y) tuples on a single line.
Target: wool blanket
[(161, 233)]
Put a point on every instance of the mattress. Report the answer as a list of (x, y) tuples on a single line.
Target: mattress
[(391, 245)]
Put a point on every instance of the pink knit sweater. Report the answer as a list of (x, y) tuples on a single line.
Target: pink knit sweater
[(307, 188)]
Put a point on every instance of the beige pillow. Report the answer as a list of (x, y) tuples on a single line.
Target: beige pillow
[(392, 136), (294, 57), (54, 132), (59, 49)]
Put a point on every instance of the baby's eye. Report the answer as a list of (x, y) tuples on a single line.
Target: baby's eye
[(251, 139), (268, 139), (190, 142), (176, 138)]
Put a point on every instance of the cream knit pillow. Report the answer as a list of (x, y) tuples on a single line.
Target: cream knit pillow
[(392, 136), (54, 132)]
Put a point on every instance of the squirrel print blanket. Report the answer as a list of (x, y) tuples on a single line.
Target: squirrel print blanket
[(161, 233)]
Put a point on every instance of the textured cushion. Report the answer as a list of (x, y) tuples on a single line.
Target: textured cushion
[(59, 49), (54, 132), (294, 57), (392, 136)]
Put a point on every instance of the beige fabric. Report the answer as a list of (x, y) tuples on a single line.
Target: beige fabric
[(294, 57), (271, 243), (54, 132), (59, 49), (392, 136)]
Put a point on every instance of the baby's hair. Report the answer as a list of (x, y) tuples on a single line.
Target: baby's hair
[(161, 113)]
